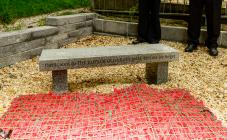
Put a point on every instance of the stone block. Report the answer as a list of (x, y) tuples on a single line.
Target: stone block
[(98, 25), (9, 38), (55, 21), (132, 29), (44, 32), (14, 37), (224, 39), (157, 73), (77, 18), (89, 23), (21, 47), (71, 27), (56, 38), (12, 59), (75, 33), (174, 33), (60, 82), (90, 16), (69, 19), (115, 27), (67, 41), (203, 37), (81, 32), (61, 59), (64, 20)]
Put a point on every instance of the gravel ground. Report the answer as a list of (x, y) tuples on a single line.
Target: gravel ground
[(204, 76)]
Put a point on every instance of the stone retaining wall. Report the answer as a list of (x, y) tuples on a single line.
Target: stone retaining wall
[(21, 45), (71, 27), (24, 44), (168, 32)]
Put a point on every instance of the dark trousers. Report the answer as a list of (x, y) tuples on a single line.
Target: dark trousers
[(149, 24), (213, 16)]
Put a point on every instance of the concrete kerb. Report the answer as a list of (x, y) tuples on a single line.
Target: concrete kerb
[(168, 32)]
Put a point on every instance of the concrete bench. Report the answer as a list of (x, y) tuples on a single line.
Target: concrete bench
[(156, 57)]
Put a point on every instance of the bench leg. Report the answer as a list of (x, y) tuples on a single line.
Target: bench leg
[(157, 73), (60, 82)]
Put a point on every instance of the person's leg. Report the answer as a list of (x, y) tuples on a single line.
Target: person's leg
[(213, 15), (154, 28), (194, 24), (143, 20)]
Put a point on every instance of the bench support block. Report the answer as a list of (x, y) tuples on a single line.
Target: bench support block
[(60, 82), (157, 73)]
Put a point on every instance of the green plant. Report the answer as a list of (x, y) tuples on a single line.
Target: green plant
[(6, 15), (132, 12), (66, 13), (85, 3), (42, 22), (13, 28)]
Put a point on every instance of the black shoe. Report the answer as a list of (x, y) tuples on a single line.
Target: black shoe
[(137, 41), (213, 51), (190, 48)]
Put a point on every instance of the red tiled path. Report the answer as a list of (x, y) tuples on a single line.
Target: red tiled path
[(136, 112)]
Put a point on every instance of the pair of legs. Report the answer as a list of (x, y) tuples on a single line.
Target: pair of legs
[(213, 17), (149, 29)]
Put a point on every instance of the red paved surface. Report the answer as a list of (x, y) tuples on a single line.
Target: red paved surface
[(137, 112)]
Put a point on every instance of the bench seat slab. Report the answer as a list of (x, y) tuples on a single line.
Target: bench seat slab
[(156, 57)]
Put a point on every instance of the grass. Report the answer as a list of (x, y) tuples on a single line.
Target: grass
[(13, 28), (13, 9), (41, 22)]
